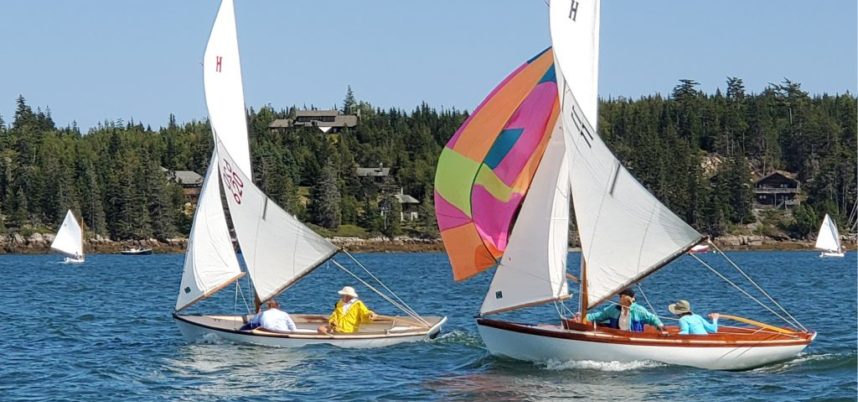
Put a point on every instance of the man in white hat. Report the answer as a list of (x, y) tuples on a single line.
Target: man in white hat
[(348, 315)]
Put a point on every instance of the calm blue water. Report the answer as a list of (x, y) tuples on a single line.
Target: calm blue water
[(103, 330)]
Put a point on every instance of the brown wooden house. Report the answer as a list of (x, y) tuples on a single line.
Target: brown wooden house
[(778, 189)]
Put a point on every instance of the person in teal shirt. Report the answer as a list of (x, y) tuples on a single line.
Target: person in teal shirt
[(627, 315), (690, 323)]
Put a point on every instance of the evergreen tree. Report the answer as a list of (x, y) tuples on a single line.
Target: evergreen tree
[(325, 199)]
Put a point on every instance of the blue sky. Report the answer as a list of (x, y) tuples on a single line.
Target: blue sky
[(96, 60)]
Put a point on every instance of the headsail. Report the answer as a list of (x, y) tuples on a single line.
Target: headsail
[(210, 261), (485, 169), (533, 268), (224, 91), (277, 248), (69, 240), (828, 238), (626, 233)]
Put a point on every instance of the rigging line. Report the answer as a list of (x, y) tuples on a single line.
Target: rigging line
[(380, 282), (640, 288), (742, 290), (238, 289), (385, 297), (757, 286)]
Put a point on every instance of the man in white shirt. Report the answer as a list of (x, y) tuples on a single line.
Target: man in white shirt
[(274, 319)]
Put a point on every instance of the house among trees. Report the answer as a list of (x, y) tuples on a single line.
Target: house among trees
[(777, 189), (190, 181), (408, 206), (325, 120), (377, 174)]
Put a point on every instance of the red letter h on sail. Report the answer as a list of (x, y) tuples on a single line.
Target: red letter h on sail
[(218, 61)]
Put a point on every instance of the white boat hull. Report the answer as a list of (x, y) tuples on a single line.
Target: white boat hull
[(71, 260), (196, 328), (554, 343), (826, 254)]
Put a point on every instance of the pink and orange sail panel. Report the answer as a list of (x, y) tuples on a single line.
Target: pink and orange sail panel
[(486, 168)]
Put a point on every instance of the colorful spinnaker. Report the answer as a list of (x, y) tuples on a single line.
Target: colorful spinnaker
[(486, 168)]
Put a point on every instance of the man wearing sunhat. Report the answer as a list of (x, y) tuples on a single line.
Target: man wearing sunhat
[(348, 315), (690, 323)]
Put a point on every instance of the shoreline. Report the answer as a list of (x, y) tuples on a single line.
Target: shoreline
[(40, 244)]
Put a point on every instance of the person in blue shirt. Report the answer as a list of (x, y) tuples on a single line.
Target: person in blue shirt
[(690, 323), (626, 315)]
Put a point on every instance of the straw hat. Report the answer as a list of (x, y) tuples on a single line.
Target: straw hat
[(680, 307), (347, 291)]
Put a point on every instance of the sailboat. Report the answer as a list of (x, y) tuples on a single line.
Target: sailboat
[(69, 240), (828, 239), (277, 248), (503, 186)]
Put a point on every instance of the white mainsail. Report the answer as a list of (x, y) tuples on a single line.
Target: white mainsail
[(69, 239), (210, 261), (626, 233), (223, 87), (277, 248), (828, 238), (533, 267)]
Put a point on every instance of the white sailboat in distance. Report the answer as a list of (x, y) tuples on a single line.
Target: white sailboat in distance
[(828, 239), (69, 240), (277, 248)]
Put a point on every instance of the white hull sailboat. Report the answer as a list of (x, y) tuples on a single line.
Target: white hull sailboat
[(277, 248), (828, 239), (503, 202), (69, 240)]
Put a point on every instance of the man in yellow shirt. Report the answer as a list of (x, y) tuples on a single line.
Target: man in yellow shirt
[(348, 315)]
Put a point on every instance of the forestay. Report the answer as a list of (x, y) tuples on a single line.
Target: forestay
[(486, 168), (210, 261), (533, 268), (223, 88), (69, 240), (828, 238), (626, 233), (277, 248)]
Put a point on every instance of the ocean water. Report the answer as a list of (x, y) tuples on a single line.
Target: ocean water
[(103, 330)]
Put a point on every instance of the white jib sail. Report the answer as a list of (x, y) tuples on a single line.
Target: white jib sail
[(828, 238), (626, 233), (210, 261), (223, 87), (575, 39), (277, 248), (69, 240), (533, 268)]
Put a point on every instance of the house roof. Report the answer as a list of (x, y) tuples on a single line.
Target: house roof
[(347, 120), (316, 113), (188, 177), (406, 199), (788, 175), (373, 172)]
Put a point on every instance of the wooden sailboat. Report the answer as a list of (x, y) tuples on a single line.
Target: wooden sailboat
[(503, 187), (828, 239), (69, 240), (277, 248)]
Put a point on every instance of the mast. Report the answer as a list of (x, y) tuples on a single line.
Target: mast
[(582, 295)]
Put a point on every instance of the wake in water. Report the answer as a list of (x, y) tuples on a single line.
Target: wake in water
[(459, 337), (600, 366), (813, 362)]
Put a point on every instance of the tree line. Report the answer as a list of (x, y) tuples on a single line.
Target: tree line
[(696, 152)]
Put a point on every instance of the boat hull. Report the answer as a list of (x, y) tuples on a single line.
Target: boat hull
[(826, 254), (375, 335), (72, 260), (147, 251), (541, 343)]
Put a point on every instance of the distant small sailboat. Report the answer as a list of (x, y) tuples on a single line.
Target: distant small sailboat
[(137, 251), (828, 239), (69, 240), (700, 248), (277, 248)]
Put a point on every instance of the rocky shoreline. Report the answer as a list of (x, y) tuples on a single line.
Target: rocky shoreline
[(39, 243)]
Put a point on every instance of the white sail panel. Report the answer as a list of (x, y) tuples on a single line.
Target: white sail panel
[(575, 38), (626, 233), (828, 238), (210, 261), (69, 239), (223, 88), (533, 267), (277, 248)]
